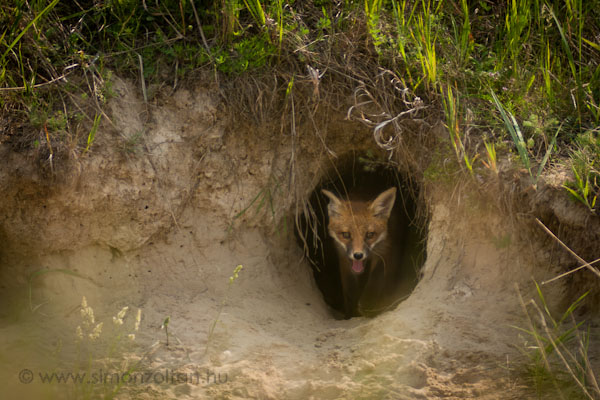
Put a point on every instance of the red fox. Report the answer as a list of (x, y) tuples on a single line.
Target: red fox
[(360, 232)]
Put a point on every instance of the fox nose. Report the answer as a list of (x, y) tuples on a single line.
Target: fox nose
[(358, 256)]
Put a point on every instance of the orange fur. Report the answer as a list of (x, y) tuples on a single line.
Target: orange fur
[(359, 229)]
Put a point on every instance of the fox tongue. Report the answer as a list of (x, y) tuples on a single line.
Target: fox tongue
[(357, 266)]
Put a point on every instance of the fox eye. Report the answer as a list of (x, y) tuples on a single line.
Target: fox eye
[(346, 235), (370, 235)]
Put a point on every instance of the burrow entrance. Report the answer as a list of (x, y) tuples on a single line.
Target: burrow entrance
[(359, 177)]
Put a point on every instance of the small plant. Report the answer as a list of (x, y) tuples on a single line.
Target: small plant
[(511, 125), (451, 110), (257, 12), (402, 30), (10, 48), (372, 11), (575, 72), (132, 143), (425, 36), (165, 326), (463, 38), (582, 188), (211, 330), (517, 30), (585, 188), (92, 134), (280, 27), (103, 346), (559, 352), (490, 150), (230, 13), (546, 156), (546, 69)]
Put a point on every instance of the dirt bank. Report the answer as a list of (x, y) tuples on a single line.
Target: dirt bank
[(175, 195)]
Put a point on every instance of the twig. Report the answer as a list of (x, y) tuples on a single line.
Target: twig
[(569, 272), (39, 85), (581, 260), (50, 158), (204, 42), (142, 78)]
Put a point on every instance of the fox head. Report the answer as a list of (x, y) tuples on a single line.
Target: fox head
[(357, 226)]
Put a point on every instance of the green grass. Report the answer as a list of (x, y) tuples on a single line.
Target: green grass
[(513, 128), (537, 56), (586, 173), (492, 157), (457, 136), (557, 351)]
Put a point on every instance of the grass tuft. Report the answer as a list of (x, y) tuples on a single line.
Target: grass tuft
[(557, 349)]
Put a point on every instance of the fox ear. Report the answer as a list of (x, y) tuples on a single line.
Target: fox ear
[(335, 204), (383, 204)]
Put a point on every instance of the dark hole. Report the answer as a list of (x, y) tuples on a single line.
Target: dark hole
[(391, 268)]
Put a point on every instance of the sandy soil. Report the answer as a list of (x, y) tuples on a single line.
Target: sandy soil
[(152, 231)]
